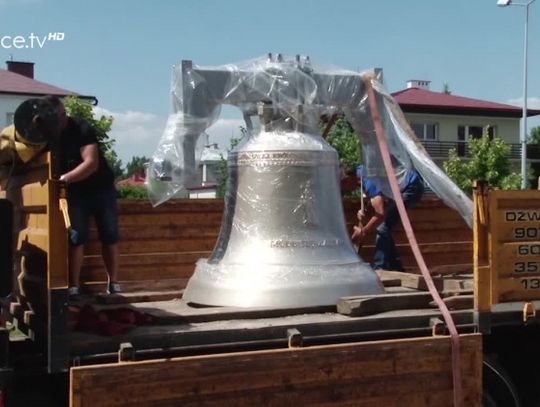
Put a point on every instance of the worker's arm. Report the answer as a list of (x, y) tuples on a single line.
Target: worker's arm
[(89, 165), (377, 202)]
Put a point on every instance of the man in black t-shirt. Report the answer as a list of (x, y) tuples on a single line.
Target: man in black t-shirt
[(90, 192)]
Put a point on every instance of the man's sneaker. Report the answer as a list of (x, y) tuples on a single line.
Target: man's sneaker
[(114, 288), (73, 290)]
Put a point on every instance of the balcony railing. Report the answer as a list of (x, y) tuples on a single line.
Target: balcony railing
[(440, 149)]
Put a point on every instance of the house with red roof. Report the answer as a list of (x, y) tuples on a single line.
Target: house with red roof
[(443, 121), (211, 156), (17, 84)]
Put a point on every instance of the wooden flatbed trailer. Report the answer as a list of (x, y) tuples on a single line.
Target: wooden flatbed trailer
[(391, 349)]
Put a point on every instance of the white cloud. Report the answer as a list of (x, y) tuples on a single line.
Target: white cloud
[(136, 133), (223, 130), (532, 102)]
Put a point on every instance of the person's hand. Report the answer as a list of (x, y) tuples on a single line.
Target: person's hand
[(360, 215), (358, 234)]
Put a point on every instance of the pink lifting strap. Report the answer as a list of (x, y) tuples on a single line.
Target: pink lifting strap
[(454, 337)]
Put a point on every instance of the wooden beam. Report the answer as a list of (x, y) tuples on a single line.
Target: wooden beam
[(411, 372), (375, 304)]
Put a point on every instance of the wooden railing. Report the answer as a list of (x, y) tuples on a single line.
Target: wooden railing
[(165, 242), (440, 149)]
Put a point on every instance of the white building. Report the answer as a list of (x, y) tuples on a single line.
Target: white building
[(207, 174), (17, 84), (443, 121)]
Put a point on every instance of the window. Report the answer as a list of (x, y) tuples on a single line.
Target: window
[(9, 118), (466, 132), (425, 131)]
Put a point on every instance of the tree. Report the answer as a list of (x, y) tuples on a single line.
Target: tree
[(341, 136), (79, 108), (534, 137), (76, 107), (488, 161), (222, 171), (533, 151), (221, 175), (136, 165), (132, 192), (115, 163)]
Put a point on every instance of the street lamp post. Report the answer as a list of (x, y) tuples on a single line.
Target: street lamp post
[(523, 136)]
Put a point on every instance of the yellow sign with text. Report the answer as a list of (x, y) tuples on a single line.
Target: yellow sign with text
[(515, 244)]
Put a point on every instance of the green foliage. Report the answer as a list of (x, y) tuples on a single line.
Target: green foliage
[(222, 172), (136, 165), (82, 109), (446, 89), (341, 136), (488, 161), (534, 137), (221, 175), (132, 192), (76, 107), (115, 163)]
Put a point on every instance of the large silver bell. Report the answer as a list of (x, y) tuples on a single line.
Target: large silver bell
[(283, 240)]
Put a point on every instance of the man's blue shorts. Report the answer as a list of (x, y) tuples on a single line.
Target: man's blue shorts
[(101, 204)]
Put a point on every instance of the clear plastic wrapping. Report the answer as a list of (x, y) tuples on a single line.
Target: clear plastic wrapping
[(295, 93)]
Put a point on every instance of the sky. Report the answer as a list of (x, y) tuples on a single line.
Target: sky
[(123, 51)]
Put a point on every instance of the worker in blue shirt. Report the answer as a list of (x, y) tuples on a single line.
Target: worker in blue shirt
[(385, 217)]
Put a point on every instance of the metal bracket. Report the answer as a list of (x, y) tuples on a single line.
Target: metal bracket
[(294, 338), (126, 352), (529, 312), (438, 327), (483, 322)]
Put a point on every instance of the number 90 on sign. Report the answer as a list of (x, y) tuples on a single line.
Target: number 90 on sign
[(526, 233)]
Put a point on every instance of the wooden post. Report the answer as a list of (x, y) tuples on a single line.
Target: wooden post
[(482, 280), (57, 273)]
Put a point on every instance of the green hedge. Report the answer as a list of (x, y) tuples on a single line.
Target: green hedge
[(132, 192)]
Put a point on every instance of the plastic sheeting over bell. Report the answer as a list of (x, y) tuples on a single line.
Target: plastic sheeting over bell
[(199, 92), (283, 240)]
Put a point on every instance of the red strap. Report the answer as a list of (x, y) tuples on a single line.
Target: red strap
[(454, 337)]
